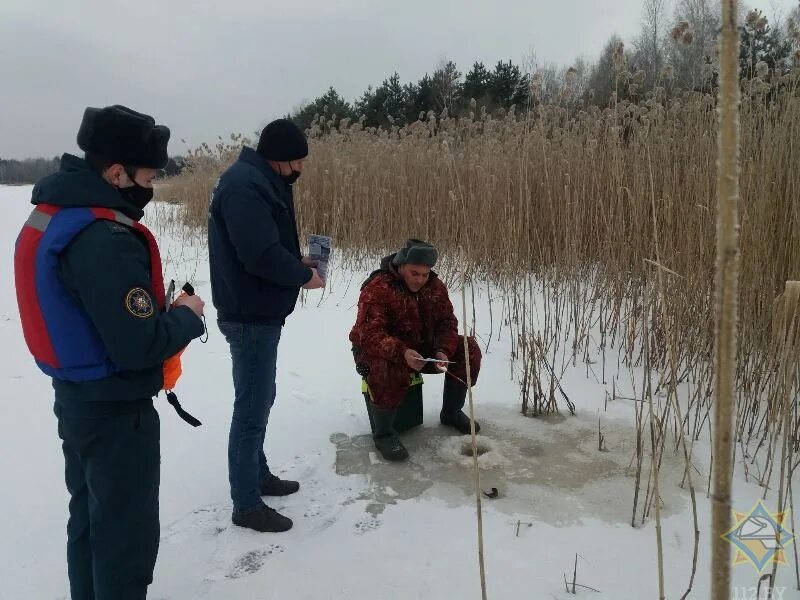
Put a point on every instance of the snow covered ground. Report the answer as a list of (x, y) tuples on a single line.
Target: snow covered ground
[(363, 528)]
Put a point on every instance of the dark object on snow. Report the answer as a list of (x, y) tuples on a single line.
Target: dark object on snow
[(275, 486), (493, 494), (264, 519)]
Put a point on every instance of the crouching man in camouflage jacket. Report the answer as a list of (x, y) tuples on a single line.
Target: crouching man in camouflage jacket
[(405, 315)]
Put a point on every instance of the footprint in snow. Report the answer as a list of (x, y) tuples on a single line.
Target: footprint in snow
[(303, 397), (251, 562), (210, 520), (367, 525)]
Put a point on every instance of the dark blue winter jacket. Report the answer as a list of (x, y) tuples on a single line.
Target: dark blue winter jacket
[(254, 252)]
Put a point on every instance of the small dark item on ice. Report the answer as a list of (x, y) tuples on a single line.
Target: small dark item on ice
[(520, 523)]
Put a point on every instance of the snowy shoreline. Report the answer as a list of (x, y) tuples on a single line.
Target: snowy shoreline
[(364, 528)]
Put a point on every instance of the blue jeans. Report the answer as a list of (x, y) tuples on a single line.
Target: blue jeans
[(254, 353)]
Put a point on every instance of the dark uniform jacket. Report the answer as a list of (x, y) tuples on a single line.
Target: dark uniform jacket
[(100, 267)]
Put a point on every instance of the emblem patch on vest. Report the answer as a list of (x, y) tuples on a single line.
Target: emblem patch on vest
[(117, 228), (139, 303)]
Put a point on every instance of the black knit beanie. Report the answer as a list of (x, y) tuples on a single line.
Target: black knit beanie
[(282, 141), (416, 252), (121, 135)]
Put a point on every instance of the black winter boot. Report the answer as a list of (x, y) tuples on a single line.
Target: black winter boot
[(265, 519), (453, 398), (275, 486), (385, 437)]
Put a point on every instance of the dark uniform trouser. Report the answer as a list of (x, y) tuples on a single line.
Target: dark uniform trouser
[(112, 473)]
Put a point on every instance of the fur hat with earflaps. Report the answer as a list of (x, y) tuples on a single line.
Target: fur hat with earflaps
[(124, 136), (416, 252)]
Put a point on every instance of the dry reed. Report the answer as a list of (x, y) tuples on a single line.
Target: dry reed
[(595, 231)]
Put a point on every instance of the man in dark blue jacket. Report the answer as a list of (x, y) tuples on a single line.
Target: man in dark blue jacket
[(257, 272)]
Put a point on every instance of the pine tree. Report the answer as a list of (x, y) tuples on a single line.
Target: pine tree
[(420, 98), (476, 84), (385, 105), (761, 44), (330, 103), (505, 85)]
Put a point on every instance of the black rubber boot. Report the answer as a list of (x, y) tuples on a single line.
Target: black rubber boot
[(385, 437), (275, 486), (453, 398), (264, 520)]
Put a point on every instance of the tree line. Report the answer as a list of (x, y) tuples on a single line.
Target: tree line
[(675, 49), (14, 172), (31, 170)]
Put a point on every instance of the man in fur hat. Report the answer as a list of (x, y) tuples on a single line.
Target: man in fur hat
[(94, 314), (405, 315)]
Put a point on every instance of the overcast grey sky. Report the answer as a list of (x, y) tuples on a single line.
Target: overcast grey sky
[(212, 68)]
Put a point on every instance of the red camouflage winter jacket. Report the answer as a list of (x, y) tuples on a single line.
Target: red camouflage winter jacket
[(392, 319)]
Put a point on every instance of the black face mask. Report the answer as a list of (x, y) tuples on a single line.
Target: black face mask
[(137, 195), (290, 179)]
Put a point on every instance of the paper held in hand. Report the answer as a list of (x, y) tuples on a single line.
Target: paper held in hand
[(319, 249)]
